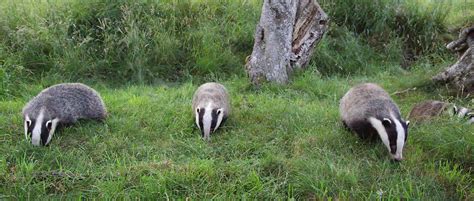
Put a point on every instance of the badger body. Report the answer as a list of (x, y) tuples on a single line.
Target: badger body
[(60, 104), (427, 109), (211, 106), (432, 108), (368, 110)]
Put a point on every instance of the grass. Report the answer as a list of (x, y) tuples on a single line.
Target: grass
[(281, 142), (155, 42), (143, 42)]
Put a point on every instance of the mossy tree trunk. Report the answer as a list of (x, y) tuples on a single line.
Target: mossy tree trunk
[(460, 75), (285, 38)]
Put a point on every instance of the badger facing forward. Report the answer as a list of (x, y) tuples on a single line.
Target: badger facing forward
[(60, 104), (368, 110), (211, 106)]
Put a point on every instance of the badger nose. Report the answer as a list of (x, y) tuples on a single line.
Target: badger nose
[(398, 158), (35, 144)]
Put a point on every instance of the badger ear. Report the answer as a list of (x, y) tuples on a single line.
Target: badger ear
[(27, 126), (455, 110), (219, 111), (27, 121), (49, 125), (407, 123), (470, 115), (386, 122), (198, 109), (471, 118)]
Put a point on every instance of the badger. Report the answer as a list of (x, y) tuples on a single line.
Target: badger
[(431, 108), (211, 107), (463, 112), (61, 104), (368, 110)]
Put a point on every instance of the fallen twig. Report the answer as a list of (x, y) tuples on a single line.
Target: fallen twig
[(404, 91)]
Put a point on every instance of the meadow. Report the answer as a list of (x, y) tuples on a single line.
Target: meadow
[(146, 59)]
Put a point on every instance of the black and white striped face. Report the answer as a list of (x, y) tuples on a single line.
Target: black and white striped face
[(393, 133), (39, 129), (208, 119), (463, 112)]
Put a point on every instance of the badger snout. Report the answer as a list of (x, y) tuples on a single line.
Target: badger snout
[(36, 142), (397, 157)]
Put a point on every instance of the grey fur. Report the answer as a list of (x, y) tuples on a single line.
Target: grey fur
[(214, 95), (369, 101), (432, 108), (428, 109), (67, 102)]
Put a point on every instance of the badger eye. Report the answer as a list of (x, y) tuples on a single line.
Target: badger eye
[(28, 123), (49, 125), (197, 110), (386, 122)]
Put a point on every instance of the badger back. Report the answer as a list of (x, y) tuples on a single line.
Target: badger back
[(366, 100), (68, 102), (427, 109), (212, 93)]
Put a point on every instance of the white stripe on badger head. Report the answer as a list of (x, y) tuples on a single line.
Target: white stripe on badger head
[(220, 117), (26, 124), (207, 121), (454, 110), (377, 124), (400, 139), (471, 118), (462, 112), (197, 117), (36, 134), (54, 124)]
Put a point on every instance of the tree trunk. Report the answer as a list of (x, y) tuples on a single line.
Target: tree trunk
[(461, 74), (285, 38)]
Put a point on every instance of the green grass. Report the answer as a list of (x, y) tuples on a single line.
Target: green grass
[(154, 42), (279, 142), (146, 59), (143, 42)]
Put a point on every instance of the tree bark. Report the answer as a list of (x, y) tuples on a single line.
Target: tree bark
[(285, 38), (461, 74)]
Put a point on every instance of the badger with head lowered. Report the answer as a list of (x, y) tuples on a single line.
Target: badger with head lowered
[(432, 108), (368, 110), (60, 104), (211, 106)]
